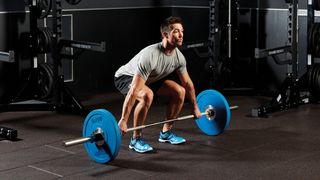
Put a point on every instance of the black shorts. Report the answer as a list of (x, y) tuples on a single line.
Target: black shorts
[(123, 83)]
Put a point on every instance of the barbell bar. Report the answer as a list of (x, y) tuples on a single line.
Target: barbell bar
[(101, 133), (209, 113)]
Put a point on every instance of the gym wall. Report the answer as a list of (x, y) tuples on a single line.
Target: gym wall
[(264, 24), (128, 26), (125, 26)]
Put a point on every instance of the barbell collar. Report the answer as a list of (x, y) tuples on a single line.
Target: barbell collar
[(97, 136)]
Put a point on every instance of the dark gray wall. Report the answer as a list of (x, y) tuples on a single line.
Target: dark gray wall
[(128, 26), (269, 31), (125, 26)]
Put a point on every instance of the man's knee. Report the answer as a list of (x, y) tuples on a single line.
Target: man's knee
[(181, 93), (147, 98)]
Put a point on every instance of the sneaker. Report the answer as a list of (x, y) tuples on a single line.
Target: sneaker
[(139, 145), (171, 137)]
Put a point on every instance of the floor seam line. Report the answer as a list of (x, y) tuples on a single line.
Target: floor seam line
[(46, 171), (59, 149)]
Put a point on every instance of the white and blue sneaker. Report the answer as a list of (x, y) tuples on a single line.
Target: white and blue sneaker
[(171, 137), (138, 144)]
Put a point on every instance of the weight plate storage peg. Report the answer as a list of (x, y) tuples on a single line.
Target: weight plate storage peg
[(103, 120), (221, 108)]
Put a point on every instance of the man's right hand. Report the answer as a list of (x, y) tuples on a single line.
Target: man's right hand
[(123, 126)]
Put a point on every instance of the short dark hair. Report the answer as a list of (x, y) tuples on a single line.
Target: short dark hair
[(166, 24)]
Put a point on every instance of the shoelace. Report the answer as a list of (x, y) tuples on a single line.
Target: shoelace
[(171, 134), (141, 140)]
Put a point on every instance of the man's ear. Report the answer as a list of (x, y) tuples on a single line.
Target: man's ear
[(165, 35)]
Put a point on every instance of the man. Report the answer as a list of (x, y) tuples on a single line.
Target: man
[(148, 74)]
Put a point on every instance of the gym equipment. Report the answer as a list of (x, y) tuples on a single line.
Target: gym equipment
[(44, 40), (73, 2), (101, 133), (314, 80), (7, 56), (218, 108), (45, 80), (8, 133), (316, 4), (288, 95), (314, 39), (42, 8)]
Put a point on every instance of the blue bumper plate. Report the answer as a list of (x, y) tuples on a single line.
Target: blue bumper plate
[(221, 108), (103, 119)]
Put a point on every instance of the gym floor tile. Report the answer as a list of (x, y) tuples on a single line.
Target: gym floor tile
[(68, 165), (27, 173), (27, 156), (253, 161), (283, 146), (107, 172), (302, 167)]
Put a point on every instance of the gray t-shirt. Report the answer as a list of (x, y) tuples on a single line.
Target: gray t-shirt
[(152, 64)]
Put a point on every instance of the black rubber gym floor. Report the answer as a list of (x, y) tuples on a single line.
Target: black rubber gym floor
[(284, 146)]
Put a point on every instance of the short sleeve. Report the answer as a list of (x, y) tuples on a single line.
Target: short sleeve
[(144, 67)]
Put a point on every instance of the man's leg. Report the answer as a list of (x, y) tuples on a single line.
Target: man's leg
[(145, 98), (144, 101), (176, 94)]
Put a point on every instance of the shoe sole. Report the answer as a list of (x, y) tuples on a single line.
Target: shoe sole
[(165, 141), (139, 151)]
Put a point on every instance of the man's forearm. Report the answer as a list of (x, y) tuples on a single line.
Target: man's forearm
[(190, 93)]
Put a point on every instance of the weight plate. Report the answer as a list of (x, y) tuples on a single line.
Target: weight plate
[(316, 78), (43, 8), (44, 41), (73, 2), (221, 108), (316, 4), (314, 31), (103, 119), (310, 77), (317, 40), (310, 39), (45, 80), (314, 39)]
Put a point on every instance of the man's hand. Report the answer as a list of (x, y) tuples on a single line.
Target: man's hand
[(123, 126), (196, 113)]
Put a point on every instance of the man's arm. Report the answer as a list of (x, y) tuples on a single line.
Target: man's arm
[(187, 83), (136, 85)]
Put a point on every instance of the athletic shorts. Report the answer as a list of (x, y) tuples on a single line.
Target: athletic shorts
[(123, 83)]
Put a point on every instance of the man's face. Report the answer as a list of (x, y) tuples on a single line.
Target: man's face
[(175, 36)]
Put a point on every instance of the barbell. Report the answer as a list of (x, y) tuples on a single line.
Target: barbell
[(101, 133)]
